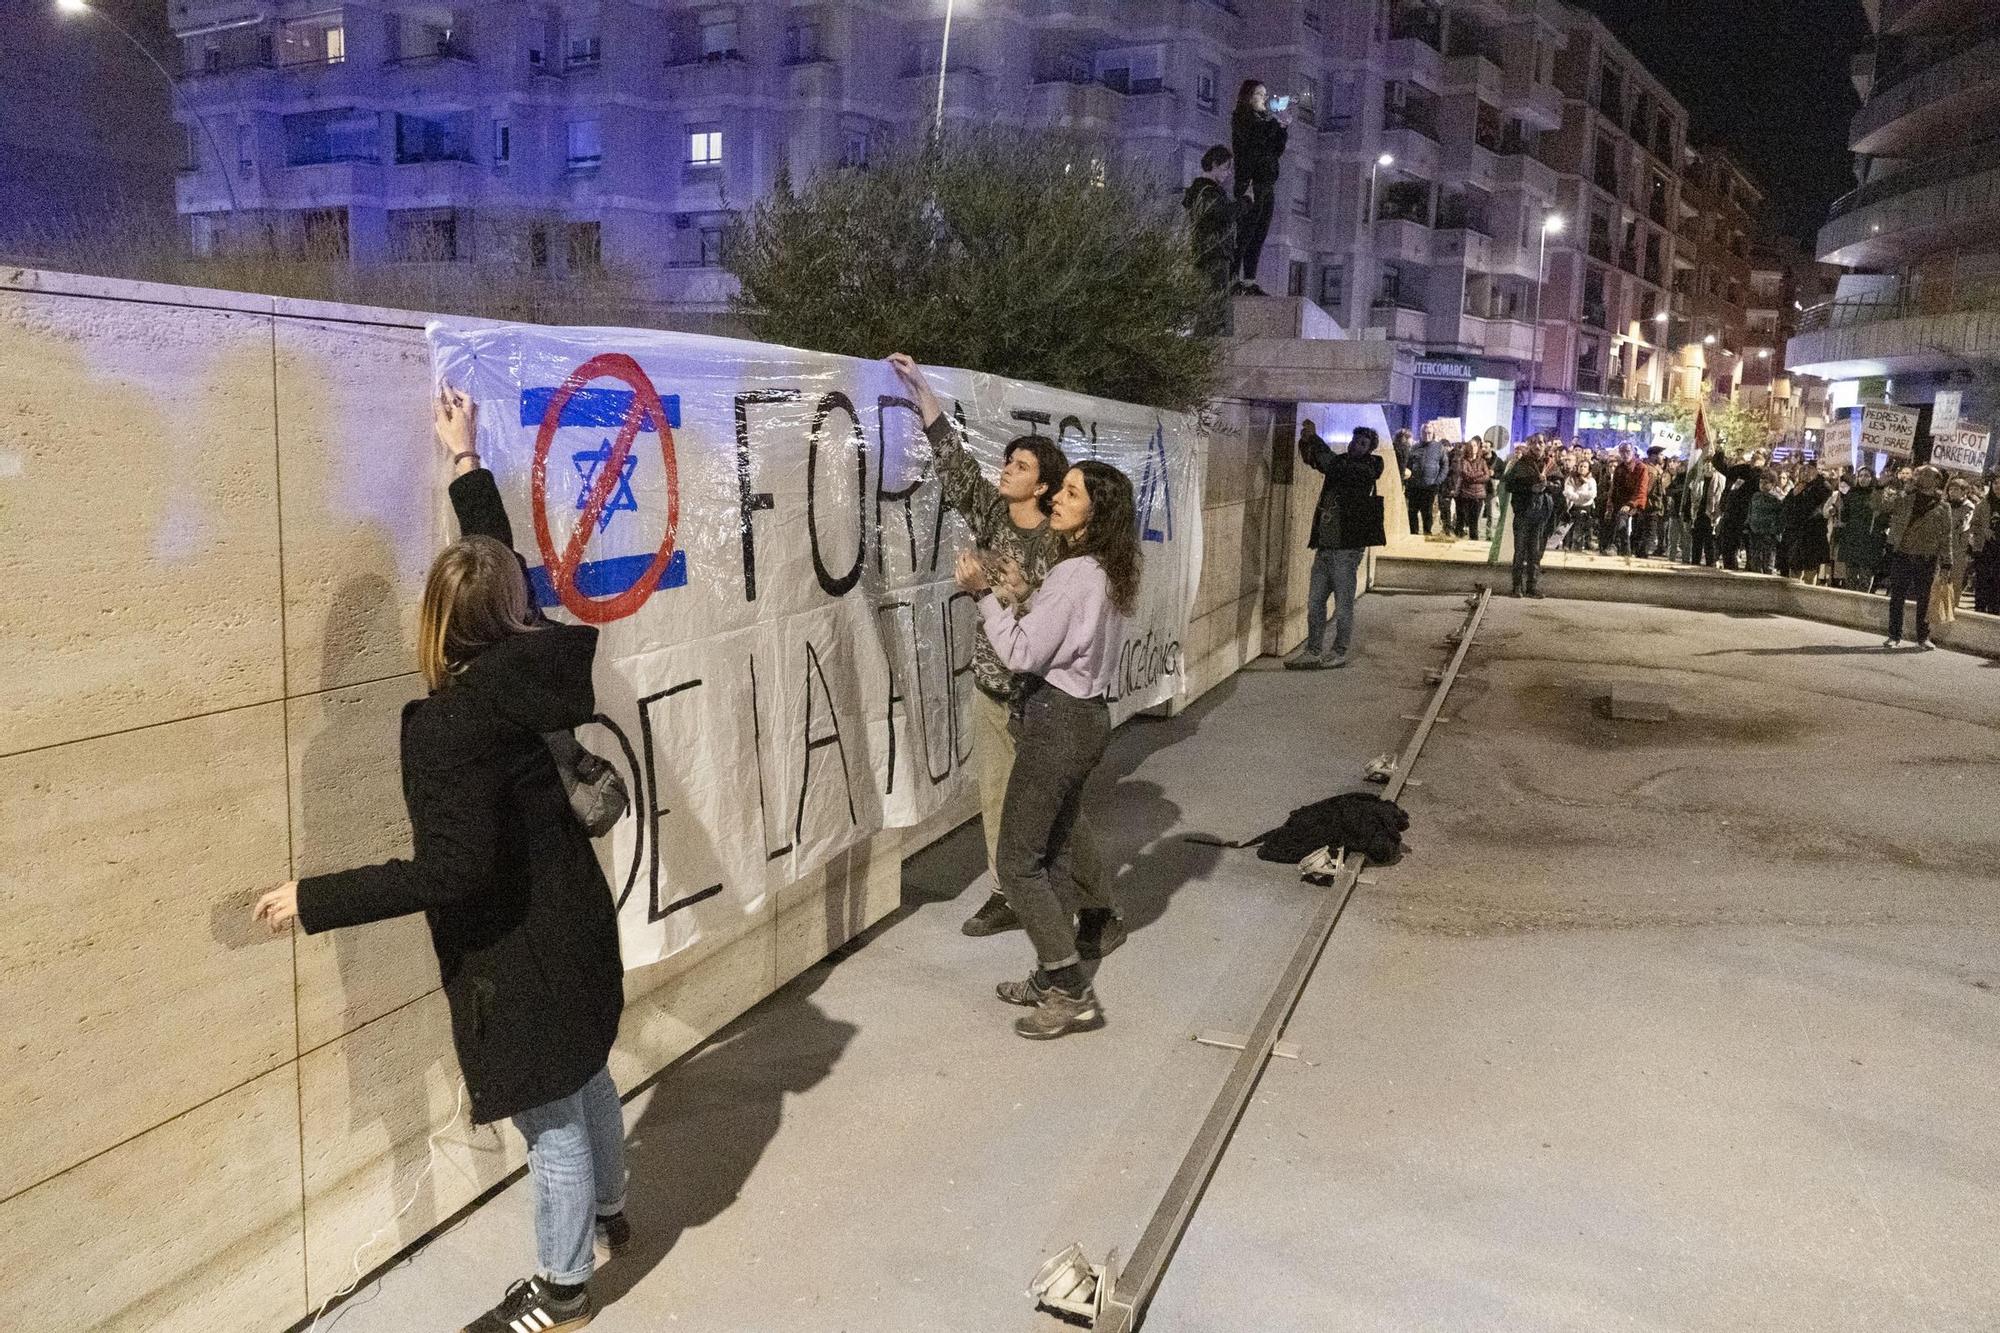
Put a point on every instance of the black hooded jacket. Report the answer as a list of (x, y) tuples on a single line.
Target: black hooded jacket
[(520, 914), (1257, 139), (1212, 218)]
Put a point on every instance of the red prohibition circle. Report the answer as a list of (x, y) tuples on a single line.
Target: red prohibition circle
[(562, 565)]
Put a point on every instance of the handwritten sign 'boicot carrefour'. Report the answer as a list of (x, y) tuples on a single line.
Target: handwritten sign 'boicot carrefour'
[(1963, 449), (784, 665), (1887, 430)]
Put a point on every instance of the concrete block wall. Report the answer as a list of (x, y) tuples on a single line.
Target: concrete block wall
[(216, 511)]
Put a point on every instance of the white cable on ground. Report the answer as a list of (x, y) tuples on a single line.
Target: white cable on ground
[(416, 1190)]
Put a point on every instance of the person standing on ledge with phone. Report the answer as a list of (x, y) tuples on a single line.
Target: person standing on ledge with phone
[(1258, 131), (520, 914)]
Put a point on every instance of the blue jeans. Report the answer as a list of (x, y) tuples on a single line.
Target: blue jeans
[(576, 1154), (1334, 573)]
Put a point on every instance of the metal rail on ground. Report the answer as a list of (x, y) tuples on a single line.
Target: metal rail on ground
[(1132, 1285)]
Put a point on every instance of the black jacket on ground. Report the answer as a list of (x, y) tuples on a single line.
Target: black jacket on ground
[(1212, 219), (520, 914), (1349, 514), (1257, 139)]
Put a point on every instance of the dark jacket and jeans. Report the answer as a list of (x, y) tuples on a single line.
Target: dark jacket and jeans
[(1257, 141), (1346, 521), (1212, 222), (1429, 464), (1534, 509), (520, 914)]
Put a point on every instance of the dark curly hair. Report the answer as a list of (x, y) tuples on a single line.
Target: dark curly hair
[(1051, 464), (1112, 532)]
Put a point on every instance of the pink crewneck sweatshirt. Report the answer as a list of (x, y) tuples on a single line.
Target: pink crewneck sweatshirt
[(1070, 633)]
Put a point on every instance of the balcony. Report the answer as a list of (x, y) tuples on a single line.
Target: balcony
[(1415, 153), (1416, 60), (1400, 318), (1470, 163), (1518, 171), (1510, 339), (325, 182), (1074, 102), (967, 90), (1086, 15), (1474, 73), (1539, 104), (815, 81), (1153, 114), (1409, 120), (1925, 105), (1506, 259), (1402, 241), (1466, 333), (1462, 244), (1950, 199), (709, 79)]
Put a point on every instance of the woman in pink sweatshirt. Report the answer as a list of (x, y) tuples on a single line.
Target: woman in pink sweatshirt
[(1066, 646)]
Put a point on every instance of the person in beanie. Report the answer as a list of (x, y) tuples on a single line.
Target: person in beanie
[(1857, 545), (1923, 533), (520, 915), (1346, 522)]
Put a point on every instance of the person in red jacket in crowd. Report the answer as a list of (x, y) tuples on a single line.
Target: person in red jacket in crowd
[(1629, 484)]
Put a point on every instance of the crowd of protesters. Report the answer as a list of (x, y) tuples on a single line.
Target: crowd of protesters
[(1914, 533)]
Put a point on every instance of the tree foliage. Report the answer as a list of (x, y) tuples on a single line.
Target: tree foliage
[(1020, 255)]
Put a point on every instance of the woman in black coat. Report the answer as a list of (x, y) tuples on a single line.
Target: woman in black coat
[(1807, 546), (1257, 137), (519, 911)]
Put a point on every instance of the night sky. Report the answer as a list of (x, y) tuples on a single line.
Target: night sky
[(1766, 79)]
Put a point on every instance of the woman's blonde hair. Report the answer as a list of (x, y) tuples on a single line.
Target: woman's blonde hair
[(475, 597)]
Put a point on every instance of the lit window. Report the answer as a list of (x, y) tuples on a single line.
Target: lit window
[(705, 147), (1207, 81)]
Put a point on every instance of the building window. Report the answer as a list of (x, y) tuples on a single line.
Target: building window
[(854, 146), (803, 37), (1333, 286), (1308, 99), (437, 138), (586, 245), (190, 148), (324, 233), (246, 148), (585, 49), (586, 144), (317, 39), (503, 143), (339, 134), (1136, 69), (705, 146), (538, 246), (1314, 14), (711, 247), (719, 30), (1295, 278), (1302, 203), (423, 235), (1207, 85)]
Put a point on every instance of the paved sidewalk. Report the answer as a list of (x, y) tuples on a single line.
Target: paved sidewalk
[(873, 1151)]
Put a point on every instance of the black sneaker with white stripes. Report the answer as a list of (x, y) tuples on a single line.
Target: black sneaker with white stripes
[(533, 1306)]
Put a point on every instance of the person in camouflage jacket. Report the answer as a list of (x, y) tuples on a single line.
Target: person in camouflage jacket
[(1010, 522)]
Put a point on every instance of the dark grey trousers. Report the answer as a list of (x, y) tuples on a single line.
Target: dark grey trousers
[(1048, 863)]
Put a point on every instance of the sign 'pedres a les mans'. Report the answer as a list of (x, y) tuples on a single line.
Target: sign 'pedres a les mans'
[(784, 665)]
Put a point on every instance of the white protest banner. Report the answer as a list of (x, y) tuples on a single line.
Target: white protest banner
[(1964, 450), (1888, 430), (1944, 411), (784, 661), (1451, 430)]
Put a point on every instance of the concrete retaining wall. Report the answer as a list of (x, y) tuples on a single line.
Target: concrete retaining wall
[(213, 552), (1691, 590)]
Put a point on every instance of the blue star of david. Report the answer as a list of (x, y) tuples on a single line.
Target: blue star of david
[(587, 463)]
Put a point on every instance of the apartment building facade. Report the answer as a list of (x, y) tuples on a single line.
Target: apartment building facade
[(1431, 140), (1785, 280), (1917, 311)]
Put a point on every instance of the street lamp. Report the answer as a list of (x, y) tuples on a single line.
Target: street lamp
[(1551, 225), (82, 8), (1385, 160), (944, 61)]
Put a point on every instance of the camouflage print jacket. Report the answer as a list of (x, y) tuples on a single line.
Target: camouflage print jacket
[(967, 490)]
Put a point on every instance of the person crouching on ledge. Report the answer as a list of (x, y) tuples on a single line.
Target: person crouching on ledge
[(1067, 644)]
